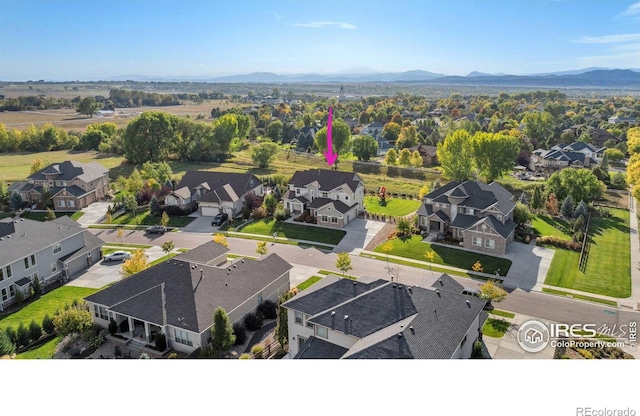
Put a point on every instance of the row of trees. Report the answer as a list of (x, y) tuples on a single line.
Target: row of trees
[(633, 169)]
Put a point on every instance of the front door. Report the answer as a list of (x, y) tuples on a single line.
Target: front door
[(301, 342)]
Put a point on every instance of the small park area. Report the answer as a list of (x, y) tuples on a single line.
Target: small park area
[(394, 207), (608, 270), (414, 248), (268, 226)]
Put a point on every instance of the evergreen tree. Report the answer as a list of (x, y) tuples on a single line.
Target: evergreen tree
[(536, 199), (7, 347), (567, 207), (222, 336), (50, 215)]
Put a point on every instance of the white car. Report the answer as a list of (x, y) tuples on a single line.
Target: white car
[(117, 256)]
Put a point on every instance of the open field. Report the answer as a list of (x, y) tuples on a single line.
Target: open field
[(608, 269), (69, 119), (394, 207), (268, 226), (545, 225), (15, 166)]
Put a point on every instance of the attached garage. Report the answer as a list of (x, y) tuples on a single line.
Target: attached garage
[(209, 211)]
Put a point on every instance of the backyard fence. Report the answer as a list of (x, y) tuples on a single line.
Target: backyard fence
[(584, 252)]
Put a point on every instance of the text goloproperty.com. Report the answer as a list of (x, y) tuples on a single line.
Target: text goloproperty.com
[(590, 411)]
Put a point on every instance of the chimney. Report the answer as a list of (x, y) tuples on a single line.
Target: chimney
[(201, 274)]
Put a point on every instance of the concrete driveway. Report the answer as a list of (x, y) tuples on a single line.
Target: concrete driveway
[(93, 214), (359, 233), (200, 224), (529, 267)]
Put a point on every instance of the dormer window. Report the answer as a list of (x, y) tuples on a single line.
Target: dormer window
[(297, 191)]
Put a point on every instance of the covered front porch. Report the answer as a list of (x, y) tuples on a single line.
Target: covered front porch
[(136, 331)]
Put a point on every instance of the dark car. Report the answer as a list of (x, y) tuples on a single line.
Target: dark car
[(157, 229), (219, 219)]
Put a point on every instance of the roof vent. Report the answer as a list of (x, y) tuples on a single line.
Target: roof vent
[(243, 260), (410, 290), (438, 293), (413, 331), (468, 303), (235, 267), (346, 317), (201, 274), (226, 283), (333, 313), (393, 285), (399, 334), (354, 283)]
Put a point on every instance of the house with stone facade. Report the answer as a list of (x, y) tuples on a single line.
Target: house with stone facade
[(478, 215), (334, 198)]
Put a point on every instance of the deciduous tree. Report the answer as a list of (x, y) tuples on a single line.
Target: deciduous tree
[(391, 157), (343, 262), (405, 158), (364, 147), (137, 263), (455, 155), (168, 246), (262, 248), (494, 154), (88, 106), (221, 239), (263, 154)]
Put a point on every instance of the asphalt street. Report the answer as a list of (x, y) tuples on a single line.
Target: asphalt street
[(531, 303)]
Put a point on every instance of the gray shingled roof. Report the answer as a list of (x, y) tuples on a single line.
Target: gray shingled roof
[(338, 205), (446, 282), (238, 184), (205, 253), (191, 292), (480, 196), (71, 169), (327, 179), (29, 236), (317, 348)]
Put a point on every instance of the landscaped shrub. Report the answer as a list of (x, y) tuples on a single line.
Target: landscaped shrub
[(7, 347), (47, 325), (37, 288), (558, 242), (113, 327), (240, 333), (35, 331), (22, 336), (161, 341), (253, 321), (73, 320), (268, 309), (280, 214), (11, 334), (259, 213), (257, 351), (245, 356)]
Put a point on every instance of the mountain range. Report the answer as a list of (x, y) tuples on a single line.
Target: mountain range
[(588, 77)]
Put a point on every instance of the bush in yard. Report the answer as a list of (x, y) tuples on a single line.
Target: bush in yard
[(477, 350), (257, 351), (259, 213), (161, 341), (73, 320), (241, 334), (268, 309), (47, 325), (11, 334), (558, 242), (280, 214), (222, 336), (7, 347), (253, 321), (245, 356), (22, 336), (37, 288), (113, 327), (35, 331)]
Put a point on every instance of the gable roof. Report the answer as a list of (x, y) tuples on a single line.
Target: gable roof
[(22, 237), (327, 180), (476, 195), (70, 170), (222, 186), (317, 348), (424, 150), (180, 293), (340, 206)]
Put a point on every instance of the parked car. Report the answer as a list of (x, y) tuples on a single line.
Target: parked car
[(157, 229), (117, 256), (220, 219)]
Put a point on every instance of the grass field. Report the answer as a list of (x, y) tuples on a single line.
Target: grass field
[(268, 226), (15, 166), (545, 225), (39, 216), (394, 206), (495, 328), (145, 218), (313, 279), (608, 269), (48, 303), (414, 248)]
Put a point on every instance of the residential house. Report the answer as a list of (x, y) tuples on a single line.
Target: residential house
[(575, 155), (341, 318), (334, 198), (46, 251), (621, 119), (480, 216), (179, 296), (214, 192), (428, 153), (72, 185), (374, 130)]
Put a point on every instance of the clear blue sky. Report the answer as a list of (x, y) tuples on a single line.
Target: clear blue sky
[(92, 40)]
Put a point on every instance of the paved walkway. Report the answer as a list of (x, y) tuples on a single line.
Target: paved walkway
[(634, 300), (93, 214)]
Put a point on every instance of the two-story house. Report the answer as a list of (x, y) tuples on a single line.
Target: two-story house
[(31, 250), (575, 155), (374, 129), (341, 318), (477, 214), (178, 297), (214, 192), (334, 198), (72, 185)]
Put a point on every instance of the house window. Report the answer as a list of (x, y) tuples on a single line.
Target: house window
[(459, 233), (346, 198), (12, 290), (7, 273), (322, 332), (60, 204), (26, 263), (70, 203), (324, 218), (334, 220), (469, 211), (54, 267), (57, 248), (499, 217), (5, 296), (183, 337), (297, 191), (298, 317), (100, 312), (488, 243), (476, 241), (308, 324), (325, 194)]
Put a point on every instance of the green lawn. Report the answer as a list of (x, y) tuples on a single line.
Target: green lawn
[(313, 279), (145, 218), (44, 351), (269, 239), (545, 225), (48, 303), (503, 313), (395, 206), (608, 269), (39, 216), (495, 328), (163, 258), (268, 226), (414, 248)]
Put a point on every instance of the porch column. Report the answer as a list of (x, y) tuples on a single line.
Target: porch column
[(131, 328), (146, 331)]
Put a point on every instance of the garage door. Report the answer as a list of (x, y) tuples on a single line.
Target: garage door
[(209, 211)]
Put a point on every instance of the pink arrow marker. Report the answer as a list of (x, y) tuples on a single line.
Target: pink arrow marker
[(329, 154)]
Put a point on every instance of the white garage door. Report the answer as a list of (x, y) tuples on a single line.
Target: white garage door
[(209, 211)]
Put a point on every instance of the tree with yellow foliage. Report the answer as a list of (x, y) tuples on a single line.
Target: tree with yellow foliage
[(221, 239), (137, 263)]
